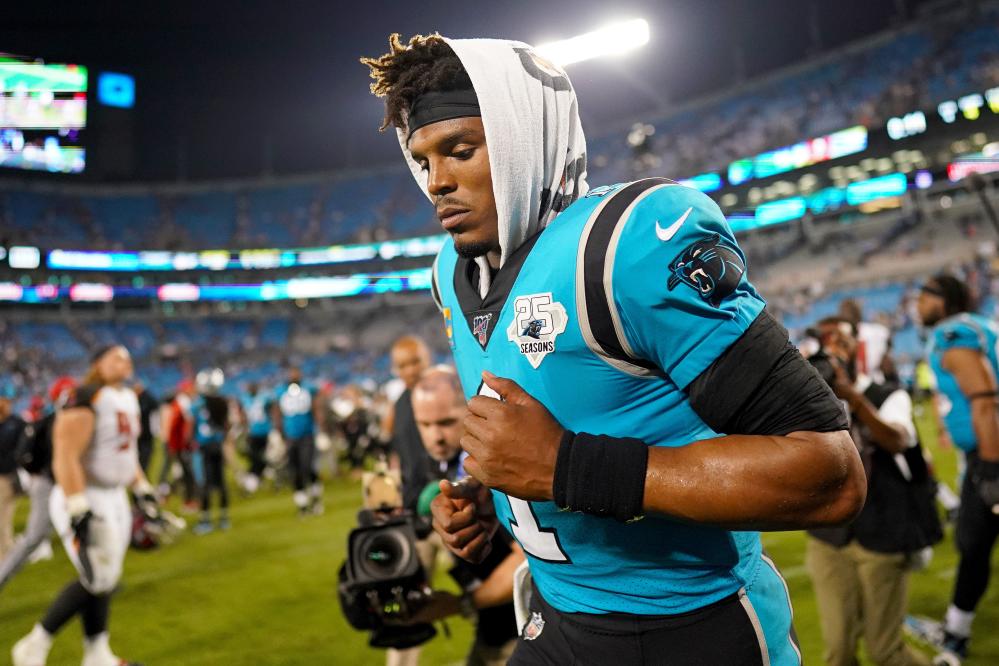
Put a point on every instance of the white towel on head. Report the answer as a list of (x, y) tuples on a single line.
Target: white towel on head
[(537, 151)]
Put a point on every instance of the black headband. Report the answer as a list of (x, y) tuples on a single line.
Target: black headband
[(930, 289), (438, 105)]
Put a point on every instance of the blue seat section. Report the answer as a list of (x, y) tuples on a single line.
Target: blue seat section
[(862, 87), (281, 214), (138, 337), (969, 63), (52, 340), (204, 221), (915, 67), (274, 333), (125, 221)]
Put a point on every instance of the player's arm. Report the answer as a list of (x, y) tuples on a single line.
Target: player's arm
[(791, 481), (758, 482), (943, 435), (784, 459), (677, 307), (978, 385), (71, 435)]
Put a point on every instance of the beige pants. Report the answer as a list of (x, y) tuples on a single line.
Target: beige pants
[(860, 592), (6, 514)]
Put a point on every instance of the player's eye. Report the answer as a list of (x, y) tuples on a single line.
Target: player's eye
[(464, 154), (424, 166)]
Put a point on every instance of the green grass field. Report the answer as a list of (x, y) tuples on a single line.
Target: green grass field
[(263, 593)]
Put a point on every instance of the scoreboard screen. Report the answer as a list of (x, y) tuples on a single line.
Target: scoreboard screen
[(43, 115)]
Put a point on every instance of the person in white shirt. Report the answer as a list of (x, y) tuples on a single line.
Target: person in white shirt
[(95, 459)]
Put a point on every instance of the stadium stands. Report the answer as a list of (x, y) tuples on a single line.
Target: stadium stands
[(917, 67)]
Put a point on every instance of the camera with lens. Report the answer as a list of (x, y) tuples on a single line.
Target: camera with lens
[(382, 582)]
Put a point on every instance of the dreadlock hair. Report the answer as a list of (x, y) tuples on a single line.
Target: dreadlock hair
[(425, 64), (956, 294)]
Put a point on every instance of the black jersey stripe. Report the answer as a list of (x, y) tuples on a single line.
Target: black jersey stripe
[(434, 290), (595, 257)]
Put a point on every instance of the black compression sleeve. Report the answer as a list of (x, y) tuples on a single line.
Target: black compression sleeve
[(761, 385)]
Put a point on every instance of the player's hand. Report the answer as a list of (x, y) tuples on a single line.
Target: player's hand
[(145, 500), (148, 505), (464, 517), (512, 443), (842, 386)]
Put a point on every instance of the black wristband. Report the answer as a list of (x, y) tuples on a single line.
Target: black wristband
[(601, 475)]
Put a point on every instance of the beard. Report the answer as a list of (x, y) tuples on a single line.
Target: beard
[(472, 250)]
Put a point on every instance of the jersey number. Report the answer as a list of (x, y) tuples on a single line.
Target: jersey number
[(125, 430), (538, 541)]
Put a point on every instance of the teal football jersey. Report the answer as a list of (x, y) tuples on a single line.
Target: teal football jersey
[(605, 317), (966, 331), (206, 432), (295, 403)]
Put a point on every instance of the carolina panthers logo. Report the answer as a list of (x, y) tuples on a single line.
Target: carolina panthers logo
[(710, 267), (533, 329)]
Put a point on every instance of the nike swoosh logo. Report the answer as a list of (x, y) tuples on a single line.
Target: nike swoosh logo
[(670, 231)]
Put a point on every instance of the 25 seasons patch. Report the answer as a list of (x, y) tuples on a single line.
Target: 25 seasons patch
[(537, 322)]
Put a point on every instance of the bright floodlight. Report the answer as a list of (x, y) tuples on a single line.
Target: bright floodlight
[(612, 39)]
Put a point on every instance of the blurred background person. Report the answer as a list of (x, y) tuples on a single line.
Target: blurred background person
[(298, 412), (873, 341), (410, 358), (487, 587), (95, 458), (147, 409), (211, 430), (354, 422), (11, 431), (860, 571), (962, 354), (486, 596), (256, 409), (178, 430), (35, 457)]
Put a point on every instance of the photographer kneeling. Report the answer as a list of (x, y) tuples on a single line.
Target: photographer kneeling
[(439, 410), (860, 572)]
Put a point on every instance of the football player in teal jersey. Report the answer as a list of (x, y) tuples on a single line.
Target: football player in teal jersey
[(962, 353), (636, 417), (297, 413)]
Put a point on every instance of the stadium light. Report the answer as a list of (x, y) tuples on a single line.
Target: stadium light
[(613, 39)]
